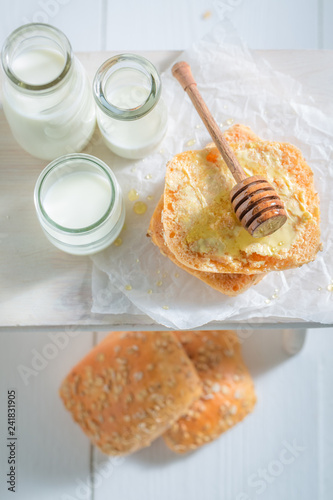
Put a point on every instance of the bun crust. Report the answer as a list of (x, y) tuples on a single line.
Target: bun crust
[(200, 227), (228, 391), (130, 388)]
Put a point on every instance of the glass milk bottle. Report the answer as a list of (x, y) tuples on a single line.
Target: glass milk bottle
[(46, 94), (131, 114)]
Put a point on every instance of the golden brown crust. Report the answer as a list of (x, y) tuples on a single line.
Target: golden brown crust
[(200, 227), (228, 284), (228, 394), (130, 388)]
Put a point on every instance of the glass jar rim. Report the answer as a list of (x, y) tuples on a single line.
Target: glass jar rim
[(45, 30), (102, 75), (59, 162)]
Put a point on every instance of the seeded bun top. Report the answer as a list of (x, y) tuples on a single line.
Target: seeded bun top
[(228, 391), (130, 388)]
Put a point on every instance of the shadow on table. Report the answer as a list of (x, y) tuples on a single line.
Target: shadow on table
[(263, 350)]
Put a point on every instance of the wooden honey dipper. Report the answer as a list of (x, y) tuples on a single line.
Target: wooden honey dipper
[(256, 204)]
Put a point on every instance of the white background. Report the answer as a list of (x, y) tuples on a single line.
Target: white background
[(174, 24), (294, 394)]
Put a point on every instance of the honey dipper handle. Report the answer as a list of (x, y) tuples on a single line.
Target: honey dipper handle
[(182, 72)]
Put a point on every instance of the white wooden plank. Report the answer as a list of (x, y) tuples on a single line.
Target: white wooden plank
[(148, 25), (175, 24), (53, 455), (322, 343), (286, 416), (327, 18), (79, 20), (277, 24)]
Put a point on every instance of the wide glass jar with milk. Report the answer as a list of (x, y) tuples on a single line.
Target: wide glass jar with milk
[(47, 98), (79, 204), (131, 114)]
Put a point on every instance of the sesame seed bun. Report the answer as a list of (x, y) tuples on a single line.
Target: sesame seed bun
[(228, 391), (130, 388)]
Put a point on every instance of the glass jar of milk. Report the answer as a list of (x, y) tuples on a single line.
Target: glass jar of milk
[(79, 204), (47, 98), (131, 114)]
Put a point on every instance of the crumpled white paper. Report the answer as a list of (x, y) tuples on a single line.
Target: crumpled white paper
[(238, 87)]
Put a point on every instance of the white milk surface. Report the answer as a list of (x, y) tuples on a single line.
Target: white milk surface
[(135, 138), (78, 200), (57, 122), (128, 96), (38, 66)]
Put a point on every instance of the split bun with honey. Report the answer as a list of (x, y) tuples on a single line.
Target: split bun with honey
[(195, 225), (228, 284)]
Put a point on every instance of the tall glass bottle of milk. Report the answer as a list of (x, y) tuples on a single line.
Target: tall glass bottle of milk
[(131, 114), (46, 94)]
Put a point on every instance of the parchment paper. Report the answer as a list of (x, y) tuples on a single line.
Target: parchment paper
[(239, 88)]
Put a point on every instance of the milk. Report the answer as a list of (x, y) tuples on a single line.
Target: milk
[(137, 138), (52, 122), (78, 200), (38, 66), (131, 114), (79, 204)]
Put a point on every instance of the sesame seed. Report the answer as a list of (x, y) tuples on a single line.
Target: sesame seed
[(233, 410), (99, 381), (132, 349), (129, 398), (138, 376), (225, 389), (208, 396)]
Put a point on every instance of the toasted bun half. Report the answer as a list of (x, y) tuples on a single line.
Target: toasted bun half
[(228, 284), (200, 227), (228, 391), (130, 388)]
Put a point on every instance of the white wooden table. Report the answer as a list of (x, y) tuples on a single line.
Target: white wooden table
[(44, 288), (45, 303)]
